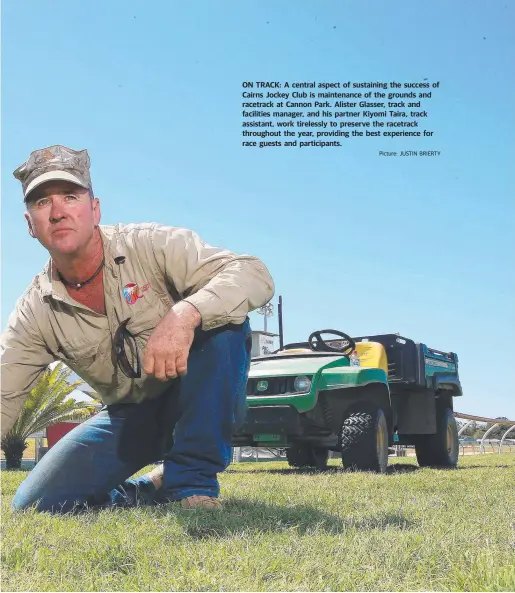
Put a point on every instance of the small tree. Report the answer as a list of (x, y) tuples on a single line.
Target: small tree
[(46, 405)]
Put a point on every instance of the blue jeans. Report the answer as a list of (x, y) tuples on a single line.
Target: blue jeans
[(189, 427)]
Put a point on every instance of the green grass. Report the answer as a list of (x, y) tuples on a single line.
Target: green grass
[(283, 529)]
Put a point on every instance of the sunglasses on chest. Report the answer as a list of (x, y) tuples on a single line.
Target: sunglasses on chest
[(125, 345)]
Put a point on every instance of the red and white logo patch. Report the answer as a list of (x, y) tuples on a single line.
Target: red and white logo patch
[(132, 292)]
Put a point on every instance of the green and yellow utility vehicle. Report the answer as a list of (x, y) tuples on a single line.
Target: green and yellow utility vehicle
[(309, 399)]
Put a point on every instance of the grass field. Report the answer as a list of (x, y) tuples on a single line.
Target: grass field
[(284, 530)]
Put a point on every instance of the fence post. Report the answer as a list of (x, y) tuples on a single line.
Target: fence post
[(504, 436), (465, 426), (482, 449)]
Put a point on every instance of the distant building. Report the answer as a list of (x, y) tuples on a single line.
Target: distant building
[(263, 343)]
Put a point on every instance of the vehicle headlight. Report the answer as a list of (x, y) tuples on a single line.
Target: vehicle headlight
[(302, 383)]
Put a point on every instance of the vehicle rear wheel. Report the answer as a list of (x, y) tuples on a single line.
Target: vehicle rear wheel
[(442, 448), (305, 455), (364, 440)]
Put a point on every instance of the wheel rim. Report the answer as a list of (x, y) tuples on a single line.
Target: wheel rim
[(380, 448), (380, 437), (450, 440)]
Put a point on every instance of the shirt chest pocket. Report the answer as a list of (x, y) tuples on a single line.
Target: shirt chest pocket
[(75, 340), (145, 316), (92, 361), (78, 357)]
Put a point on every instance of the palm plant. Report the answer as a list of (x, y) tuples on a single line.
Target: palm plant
[(46, 405)]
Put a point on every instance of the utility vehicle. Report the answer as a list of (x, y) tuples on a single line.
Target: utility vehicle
[(308, 399)]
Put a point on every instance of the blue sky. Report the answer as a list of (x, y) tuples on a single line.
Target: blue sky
[(356, 242)]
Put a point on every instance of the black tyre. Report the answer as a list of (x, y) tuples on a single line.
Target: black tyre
[(305, 455), (442, 448), (364, 440)]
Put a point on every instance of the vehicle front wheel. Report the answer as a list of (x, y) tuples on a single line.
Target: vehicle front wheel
[(442, 448), (364, 440), (305, 455)]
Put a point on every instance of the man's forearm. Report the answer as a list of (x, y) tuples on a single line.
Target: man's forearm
[(221, 284), (188, 313), (243, 285)]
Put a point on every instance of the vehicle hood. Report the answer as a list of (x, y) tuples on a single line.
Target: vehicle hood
[(292, 365)]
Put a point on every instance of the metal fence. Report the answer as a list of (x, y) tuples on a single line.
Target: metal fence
[(502, 445)]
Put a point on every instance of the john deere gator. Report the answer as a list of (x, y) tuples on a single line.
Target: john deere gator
[(308, 399)]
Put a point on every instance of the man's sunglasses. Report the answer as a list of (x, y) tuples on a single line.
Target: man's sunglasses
[(127, 351)]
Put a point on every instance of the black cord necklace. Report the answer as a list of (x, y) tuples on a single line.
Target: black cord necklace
[(78, 285)]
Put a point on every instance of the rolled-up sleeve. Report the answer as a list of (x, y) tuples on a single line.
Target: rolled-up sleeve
[(24, 358), (222, 285)]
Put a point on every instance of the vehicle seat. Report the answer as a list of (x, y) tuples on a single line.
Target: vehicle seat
[(295, 351), (372, 354)]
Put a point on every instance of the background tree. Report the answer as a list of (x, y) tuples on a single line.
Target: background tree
[(47, 404), (498, 431), (469, 431), (475, 430)]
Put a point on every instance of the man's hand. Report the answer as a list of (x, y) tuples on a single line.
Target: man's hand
[(166, 353)]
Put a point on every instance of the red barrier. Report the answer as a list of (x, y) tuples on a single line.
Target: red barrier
[(55, 432)]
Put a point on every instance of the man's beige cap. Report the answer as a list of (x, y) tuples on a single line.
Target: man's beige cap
[(54, 163)]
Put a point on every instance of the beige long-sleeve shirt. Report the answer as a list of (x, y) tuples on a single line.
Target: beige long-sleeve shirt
[(159, 266)]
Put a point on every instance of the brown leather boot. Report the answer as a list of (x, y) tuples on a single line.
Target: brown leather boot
[(199, 501)]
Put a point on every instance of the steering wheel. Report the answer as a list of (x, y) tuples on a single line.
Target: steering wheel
[(318, 344)]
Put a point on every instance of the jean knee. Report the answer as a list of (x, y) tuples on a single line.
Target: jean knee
[(33, 496), (46, 504), (22, 501)]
